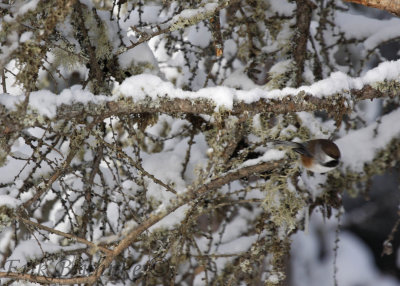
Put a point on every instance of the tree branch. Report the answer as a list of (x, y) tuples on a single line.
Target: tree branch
[(64, 234), (303, 20), (45, 279), (47, 184), (179, 22), (95, 72), (392, 6), (292, 103), (335, 105), (183, 199)]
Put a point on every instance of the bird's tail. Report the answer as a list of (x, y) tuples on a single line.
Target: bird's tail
[(277, 143), (297, 147)]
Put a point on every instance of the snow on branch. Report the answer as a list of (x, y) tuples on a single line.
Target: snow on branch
[(148, 93)]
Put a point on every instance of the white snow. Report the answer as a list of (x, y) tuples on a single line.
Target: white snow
[(372, 31), (361, 27), (283, 8), (269, 155), (171, 220), (47, 102), (25, 36), (355, 261), (30, 250), (139, 54), (139, 86), (28, 6), (360, 146), (9, 201), (9, 101), (113, 214), (199, 35), (384, 34)]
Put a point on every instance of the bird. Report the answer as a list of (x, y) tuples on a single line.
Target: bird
[(317, 155)]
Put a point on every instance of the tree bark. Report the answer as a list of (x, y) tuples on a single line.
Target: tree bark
[(392, 6)]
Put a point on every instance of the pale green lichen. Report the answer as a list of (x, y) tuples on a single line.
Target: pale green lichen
[(69, 60), (281, 203), (136, 68), (246, 266), (99, 32), (391, 87), (200, 14), (281, 75), (275, 278), (3, 153), (6, 216)]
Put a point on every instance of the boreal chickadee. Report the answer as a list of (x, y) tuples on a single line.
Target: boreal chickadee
[(318, 155)]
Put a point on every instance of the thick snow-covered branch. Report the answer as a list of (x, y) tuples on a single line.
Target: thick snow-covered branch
[(148, 94)]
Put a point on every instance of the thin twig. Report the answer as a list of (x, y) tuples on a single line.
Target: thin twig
[(3, 81), (64, 234), (138, 166)]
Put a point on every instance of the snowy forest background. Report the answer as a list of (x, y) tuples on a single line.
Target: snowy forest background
[(134, 142)]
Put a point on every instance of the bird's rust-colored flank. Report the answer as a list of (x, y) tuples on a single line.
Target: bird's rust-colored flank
[(307, 161)]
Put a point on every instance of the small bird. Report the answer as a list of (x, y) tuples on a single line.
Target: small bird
[(318, 155)]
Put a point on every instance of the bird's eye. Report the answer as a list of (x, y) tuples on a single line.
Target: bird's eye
[(332, 163)]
